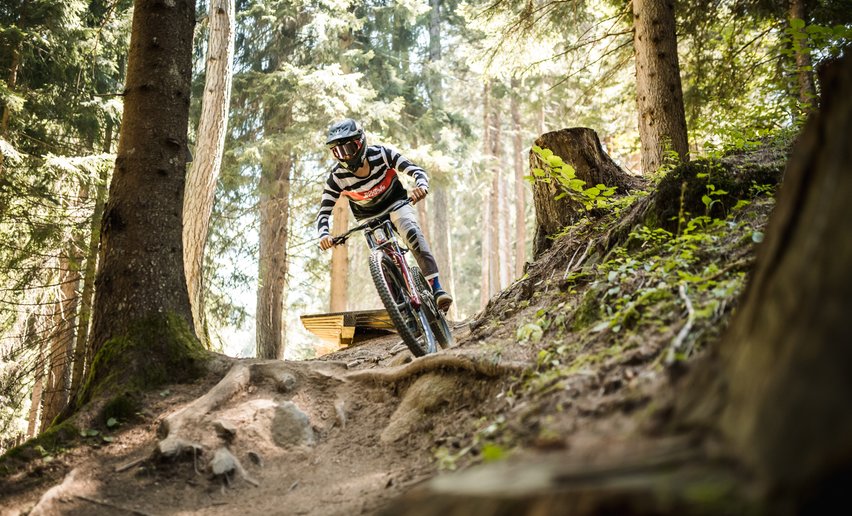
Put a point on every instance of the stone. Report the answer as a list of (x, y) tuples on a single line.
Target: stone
[(291, 427)]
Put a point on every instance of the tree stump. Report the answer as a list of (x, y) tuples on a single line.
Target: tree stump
[(581, 147)]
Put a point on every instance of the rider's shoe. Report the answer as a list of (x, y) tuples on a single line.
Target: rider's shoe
[(442, 299)]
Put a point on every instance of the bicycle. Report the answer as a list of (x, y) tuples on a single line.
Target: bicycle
[(403, 289)]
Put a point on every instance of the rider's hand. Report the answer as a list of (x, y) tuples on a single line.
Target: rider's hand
[(418, 194), (326, 243)]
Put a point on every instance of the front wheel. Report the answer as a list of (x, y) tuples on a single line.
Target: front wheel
[(412, 324)]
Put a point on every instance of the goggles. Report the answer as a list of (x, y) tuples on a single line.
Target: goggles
[(346, 150)]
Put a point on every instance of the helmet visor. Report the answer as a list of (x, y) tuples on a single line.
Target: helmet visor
[(346, 150)]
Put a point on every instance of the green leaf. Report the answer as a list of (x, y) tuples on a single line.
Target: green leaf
[(576, 184), (529, 332), (555, 161), (701, 175), (492, 452), (706, 200), (757, 237), (111, 422), (108, 439), (796, 23)]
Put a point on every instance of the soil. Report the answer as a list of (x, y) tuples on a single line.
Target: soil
[(355, 430)]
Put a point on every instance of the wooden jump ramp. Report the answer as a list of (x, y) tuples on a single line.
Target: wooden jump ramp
[(347, 328)]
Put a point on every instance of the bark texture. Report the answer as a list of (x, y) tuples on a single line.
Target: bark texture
[(804, 63), (787, 361), (440, 195), (659, 95), (272, 260), (339, 258), (204, 172), (582, 148), (141, 279), (485, 245), (520, 186), (64, 333), (82, 356), (498, 225), (33, 340)]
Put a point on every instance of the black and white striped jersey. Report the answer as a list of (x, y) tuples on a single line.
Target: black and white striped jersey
[(373, 194)]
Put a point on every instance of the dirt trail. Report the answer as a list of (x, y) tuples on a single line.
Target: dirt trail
[(338, 435)]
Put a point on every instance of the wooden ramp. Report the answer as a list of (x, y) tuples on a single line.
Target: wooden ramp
[(347, 328)]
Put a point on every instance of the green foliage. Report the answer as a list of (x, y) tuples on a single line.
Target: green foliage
[(563, 174), (483, 444)]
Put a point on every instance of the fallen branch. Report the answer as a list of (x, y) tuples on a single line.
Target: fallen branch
[(125, 467)]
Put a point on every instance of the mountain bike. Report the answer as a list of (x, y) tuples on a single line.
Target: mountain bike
[(403, 289)]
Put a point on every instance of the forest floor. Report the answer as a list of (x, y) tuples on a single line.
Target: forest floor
[(574, 363)]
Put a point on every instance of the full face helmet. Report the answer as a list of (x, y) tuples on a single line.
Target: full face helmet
[(348, 143)]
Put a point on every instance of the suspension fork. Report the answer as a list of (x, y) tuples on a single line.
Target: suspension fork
[(399, 260)]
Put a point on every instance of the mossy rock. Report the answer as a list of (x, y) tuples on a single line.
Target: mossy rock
[(589, 310), (158, 350), (50, 442), (683, 188)]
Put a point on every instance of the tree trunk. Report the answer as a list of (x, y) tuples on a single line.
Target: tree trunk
[(786, 363), (11, 84), (520, 189), (485, 227), (33, 341), (64, 332), (204, 172), (82, 357), (502, 247), (580, 147), (141, 331), (441, 236), (272, 261), (339, 258), (804, 63), (662, 122), (441, 241)]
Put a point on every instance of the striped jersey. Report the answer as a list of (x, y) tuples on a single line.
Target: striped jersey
[(373, 194)]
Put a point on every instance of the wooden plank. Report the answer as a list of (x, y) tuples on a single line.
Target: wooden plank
[(347, 328)]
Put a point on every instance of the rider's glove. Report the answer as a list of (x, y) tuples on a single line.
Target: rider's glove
[(326, 243)]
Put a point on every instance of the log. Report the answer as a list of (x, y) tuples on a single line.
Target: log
[(580, 147)]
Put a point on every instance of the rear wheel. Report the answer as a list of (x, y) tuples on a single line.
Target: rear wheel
[(412, 324), (436, 318)]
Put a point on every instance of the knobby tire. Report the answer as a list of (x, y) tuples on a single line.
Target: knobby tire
[(412, 325)]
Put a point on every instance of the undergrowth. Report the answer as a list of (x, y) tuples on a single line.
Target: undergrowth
[(654, 299)]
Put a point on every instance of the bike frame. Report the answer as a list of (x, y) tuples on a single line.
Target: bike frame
[(381, 236)]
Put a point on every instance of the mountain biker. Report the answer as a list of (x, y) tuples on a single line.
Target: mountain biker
[(367, 175)]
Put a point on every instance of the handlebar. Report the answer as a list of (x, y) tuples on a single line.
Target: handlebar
[(340, 239)]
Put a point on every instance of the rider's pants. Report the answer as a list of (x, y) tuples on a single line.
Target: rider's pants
[(405, 222)]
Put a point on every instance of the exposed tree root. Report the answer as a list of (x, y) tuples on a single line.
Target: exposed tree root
[(172, 445), (437, 363)]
